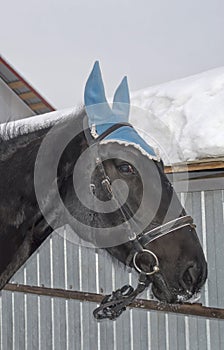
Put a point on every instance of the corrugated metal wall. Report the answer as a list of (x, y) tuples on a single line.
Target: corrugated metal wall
[(39, 322)]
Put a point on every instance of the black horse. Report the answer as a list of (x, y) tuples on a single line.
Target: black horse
[(142, 222)]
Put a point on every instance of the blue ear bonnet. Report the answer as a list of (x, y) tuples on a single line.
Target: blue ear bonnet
[(101, 116)]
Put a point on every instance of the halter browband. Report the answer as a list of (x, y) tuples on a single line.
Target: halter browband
[(112, 128)]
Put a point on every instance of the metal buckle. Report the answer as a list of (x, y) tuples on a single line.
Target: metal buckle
[(92, 188), (107, 185), (155, 267)]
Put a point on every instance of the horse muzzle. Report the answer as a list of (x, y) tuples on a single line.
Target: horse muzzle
[(188, 288)]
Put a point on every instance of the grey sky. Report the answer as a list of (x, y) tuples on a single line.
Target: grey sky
[(53, 43)]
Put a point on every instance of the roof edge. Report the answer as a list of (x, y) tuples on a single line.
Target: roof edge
[(30, 87), (196, 165)]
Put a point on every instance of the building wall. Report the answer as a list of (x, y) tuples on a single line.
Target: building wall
[(11, 107), (40, 322)]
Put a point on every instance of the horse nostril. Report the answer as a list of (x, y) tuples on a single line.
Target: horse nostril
[(189, 278)]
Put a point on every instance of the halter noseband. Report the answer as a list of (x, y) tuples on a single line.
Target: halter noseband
[(113, 305)]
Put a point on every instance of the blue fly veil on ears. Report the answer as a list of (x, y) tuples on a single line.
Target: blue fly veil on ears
[(101, 116)]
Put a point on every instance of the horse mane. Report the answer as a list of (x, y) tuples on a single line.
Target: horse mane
[(13, 129), (17, 134)]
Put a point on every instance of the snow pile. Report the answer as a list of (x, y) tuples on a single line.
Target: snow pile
[(185, 118)]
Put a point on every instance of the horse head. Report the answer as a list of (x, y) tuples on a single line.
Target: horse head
[(137, 215), (94, 172)]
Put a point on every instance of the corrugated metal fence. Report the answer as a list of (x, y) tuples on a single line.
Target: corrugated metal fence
[(39, 322)]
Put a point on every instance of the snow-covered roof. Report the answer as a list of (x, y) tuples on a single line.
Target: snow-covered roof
[(185, 117)]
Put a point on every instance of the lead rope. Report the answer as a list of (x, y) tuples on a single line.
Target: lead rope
[(114, 304)]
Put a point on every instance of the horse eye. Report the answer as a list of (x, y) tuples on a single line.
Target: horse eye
[(126, 168)]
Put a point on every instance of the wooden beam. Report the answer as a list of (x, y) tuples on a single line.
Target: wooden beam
[(185, 309), (27, 95), (16, 84), (204, 164)]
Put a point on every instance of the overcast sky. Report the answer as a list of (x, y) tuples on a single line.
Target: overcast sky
[(53, 43)]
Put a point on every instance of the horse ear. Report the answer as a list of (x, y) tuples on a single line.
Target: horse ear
[(121, 102), (97, 108), (94, 89)]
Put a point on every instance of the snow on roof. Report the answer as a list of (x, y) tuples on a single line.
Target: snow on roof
[(27, 125), (185, 117)]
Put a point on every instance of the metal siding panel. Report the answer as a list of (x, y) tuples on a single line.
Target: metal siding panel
[(105, 334), (211, 249), (125, 334), (143, 334), (45, 323), (202, 334), (154, 330), (31, 274), (19, 276), (7, 321), (74, 335), (173, 333), (69, 324), (196, 213), (221, 334), (161, 330), (72, 265), (89, 326), (59, 324), (192, 338), (186, 200), (197, 216), (58, 268), (44, 264), (215, 339), (104, 272), (140, 329), (118, 331), (32, 322), (219, 245), (18, 320), (197, 335), (88, 270), (181, 332)]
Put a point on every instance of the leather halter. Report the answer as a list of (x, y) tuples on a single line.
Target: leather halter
[(140, 241), (112, 306)]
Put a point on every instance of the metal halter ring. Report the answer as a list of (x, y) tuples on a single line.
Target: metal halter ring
[(155, 267)]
